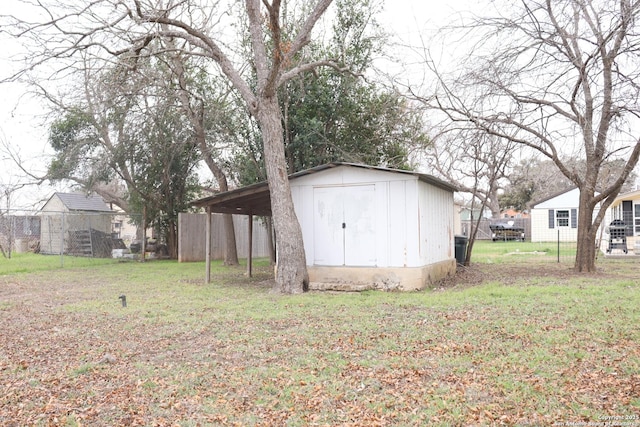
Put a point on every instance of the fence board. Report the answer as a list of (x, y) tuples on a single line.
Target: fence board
[(192, 237)]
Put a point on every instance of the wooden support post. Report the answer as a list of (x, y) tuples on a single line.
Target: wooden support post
[(250, 253), (143, 244), (207, 246), (61, 240)]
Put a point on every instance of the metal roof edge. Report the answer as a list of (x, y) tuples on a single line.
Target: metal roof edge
[(430, 179), (546, 199), (257, 187), (240, 190)]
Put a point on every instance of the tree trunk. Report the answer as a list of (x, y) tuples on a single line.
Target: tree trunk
[(270, 241), (492, 200), (230, 248), (475, 225), (172, 240), (586, 242), (291, 275), (197, 117)]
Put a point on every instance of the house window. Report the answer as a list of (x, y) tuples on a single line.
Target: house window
[(636, 219), (562, 218)]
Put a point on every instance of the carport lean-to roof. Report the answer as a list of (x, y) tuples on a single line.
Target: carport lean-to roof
[(250, 200)]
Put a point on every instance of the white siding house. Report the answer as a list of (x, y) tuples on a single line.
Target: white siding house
[(626, 207), (556, 217)]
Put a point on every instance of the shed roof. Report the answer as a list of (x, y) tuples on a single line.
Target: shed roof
[(255, 199), (83, 202)]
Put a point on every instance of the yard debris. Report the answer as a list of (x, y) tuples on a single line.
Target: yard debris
[(515, 353), (108, 358)]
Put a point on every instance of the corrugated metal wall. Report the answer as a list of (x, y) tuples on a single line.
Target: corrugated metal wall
[(436, 224)]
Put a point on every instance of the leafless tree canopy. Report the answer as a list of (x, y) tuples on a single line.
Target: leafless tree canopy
[(100, 31), (560, 77)]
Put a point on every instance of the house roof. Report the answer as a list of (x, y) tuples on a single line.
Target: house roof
[(255, 199), (630, 195), (553, 196), (82, 202)]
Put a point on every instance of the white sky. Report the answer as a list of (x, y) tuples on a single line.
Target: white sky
[(22, 118)]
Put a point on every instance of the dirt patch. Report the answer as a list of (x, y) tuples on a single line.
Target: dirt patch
[(510, 274)]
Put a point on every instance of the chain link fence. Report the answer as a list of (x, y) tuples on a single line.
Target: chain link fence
[(526, 238), (78, 234)]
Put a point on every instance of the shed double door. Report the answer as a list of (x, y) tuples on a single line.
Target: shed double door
[(344, 226)]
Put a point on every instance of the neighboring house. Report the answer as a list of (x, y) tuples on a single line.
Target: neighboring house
[(457, 218), (513, 214), (363, 226), (123, 225), (70, 222), (626, 207), (467, 214), (467, 219), (556, 217), (19, 231)]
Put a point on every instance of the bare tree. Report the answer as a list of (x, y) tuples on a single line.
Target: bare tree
[(6, 229), (477, 163), (533, 179), (113, 27), (194, 107), (560, 77), (124, 127)]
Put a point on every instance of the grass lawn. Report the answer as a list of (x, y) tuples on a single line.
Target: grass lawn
[(29, 262), (486, 251), (506, 342)]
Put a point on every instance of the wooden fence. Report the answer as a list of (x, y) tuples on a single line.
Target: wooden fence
[(192, 240)]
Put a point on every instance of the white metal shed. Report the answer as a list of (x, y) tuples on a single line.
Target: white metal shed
[(364, 226)]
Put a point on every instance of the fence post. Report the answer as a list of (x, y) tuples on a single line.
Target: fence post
[(143, 244), (558, 245), (250, 249), (207, 247), (62, 241), (12, 228)]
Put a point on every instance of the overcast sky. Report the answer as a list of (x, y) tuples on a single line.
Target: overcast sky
[(24, 126)]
